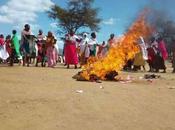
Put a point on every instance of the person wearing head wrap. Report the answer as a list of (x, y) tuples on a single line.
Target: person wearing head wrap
[(84, 49)]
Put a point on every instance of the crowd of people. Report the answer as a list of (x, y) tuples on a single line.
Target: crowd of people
[(153, 52), (77, 50), (41, 49)]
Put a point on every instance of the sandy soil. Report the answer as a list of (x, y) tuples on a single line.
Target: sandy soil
[(46, 99)]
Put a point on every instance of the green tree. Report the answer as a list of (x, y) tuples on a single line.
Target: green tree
[(78, 14)]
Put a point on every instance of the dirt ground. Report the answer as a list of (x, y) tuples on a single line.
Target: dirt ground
[(47, 99)]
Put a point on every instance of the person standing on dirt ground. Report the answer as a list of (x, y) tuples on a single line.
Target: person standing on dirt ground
[(51, 50), (173, 59), (40, 49), (84, 49), (15, 45), (8, 45), (25, 36), (93, 44), (3, 52), (151, 55), (162, 55), (70, 51)]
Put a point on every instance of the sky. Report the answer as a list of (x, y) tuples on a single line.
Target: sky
[(116, 15)]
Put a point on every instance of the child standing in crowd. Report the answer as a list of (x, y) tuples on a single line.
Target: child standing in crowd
[(93, 44), (51, 51)]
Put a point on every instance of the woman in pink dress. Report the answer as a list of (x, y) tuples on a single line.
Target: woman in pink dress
[(71, 56), (51, 51)]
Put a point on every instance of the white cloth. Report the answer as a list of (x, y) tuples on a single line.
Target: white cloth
[(57, 48), (84, 47), (36, 48), (41, 37), (91, 44), (144, 52), (3, 52), (23, 34), (73, 38), (143, 49)]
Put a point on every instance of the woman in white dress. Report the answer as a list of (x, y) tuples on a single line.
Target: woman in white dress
[(3, 52), (84, 49), (93, 44)]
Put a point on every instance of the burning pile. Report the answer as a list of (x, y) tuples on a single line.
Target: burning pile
[(108, 67)]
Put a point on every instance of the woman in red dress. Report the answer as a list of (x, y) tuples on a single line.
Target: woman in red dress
[(71, 56), (8, 44)]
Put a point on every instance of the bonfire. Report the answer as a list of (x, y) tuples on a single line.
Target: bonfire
[(107, 68)]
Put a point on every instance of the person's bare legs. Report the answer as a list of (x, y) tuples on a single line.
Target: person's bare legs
[(144, 68), (67, 66)]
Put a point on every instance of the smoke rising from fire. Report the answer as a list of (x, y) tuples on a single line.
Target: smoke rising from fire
[(162, 18), (154, 19)]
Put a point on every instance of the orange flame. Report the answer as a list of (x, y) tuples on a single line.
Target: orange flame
[(119, 54)]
